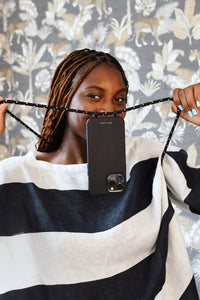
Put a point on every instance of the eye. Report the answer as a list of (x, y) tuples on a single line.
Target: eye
[(94, 96), (120, 100)]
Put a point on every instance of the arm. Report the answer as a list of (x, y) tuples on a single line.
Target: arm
[(186, 185), (3, 108), (182, 181)]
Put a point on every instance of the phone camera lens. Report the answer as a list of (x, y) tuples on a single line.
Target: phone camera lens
[(120, 186), (111, 183), (119, 178)]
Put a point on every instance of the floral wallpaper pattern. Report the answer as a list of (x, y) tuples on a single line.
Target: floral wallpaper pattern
[(157, 43)]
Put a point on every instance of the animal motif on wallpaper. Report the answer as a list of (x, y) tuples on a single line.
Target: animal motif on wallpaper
[(61, 49), (100, 5), (4, 43), (146, 25), (9, 78), (162, 22), (18, 28)]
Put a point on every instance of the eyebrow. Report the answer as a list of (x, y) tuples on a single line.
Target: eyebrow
[(102, 89)]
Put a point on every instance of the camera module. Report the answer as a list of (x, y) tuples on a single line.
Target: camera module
[(115, 182)]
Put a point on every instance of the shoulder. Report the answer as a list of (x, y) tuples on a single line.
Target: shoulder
[(12, 167), (140, 149), (12, 161), (143, 148), (146, 146)]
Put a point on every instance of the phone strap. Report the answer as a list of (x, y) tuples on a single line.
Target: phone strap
[(95, 114)]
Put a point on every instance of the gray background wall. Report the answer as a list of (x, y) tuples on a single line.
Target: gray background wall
[(157, 43)]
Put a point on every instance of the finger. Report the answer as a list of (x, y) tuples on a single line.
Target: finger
[(3, 109), (189, 101), (185, 101), (192, 97), (3, 106), (2, 123), (2, 99), (178, 99), (197, 95)]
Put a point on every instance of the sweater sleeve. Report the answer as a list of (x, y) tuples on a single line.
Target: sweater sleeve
[(183, 181)]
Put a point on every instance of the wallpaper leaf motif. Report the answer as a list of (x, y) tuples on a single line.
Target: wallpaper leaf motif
[(119, 33), (28, 6), (165, 62), (189, 9), (196, 32), (149, 87), (29, 61), (185, 21)]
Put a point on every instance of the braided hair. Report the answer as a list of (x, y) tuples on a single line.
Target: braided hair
[(63, 87)]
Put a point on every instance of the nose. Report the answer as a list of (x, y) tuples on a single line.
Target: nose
[(107, 106), (111, 108)]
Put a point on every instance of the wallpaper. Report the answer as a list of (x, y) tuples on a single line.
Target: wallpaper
[(157, 43)]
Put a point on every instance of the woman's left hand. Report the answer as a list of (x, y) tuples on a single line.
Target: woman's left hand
[(188, 101)]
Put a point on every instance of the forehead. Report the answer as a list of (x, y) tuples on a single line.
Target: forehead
[(103, 73)]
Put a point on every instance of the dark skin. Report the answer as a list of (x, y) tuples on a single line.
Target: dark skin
[(103, 90), (189, 98)]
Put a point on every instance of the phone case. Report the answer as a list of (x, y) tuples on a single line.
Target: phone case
[(106, 154)]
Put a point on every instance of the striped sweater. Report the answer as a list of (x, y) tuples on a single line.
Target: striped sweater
[(58, 241)]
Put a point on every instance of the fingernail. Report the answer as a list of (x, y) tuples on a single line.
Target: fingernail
[(190, 114), (194, 112), (180, 107), (197, 103)]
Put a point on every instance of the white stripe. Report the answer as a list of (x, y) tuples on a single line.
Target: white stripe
[(178, 269), (65, 258), (46, 175), (176, 182)]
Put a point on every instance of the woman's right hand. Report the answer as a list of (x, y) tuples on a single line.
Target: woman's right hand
[(3, 109)]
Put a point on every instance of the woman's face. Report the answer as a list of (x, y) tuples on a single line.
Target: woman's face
[(103, 90)]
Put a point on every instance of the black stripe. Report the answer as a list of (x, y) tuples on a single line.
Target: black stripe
[(192, 176), (27, 208), (191, 292), (143, 281)]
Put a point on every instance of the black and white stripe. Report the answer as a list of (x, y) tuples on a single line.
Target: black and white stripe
[(57, 241)]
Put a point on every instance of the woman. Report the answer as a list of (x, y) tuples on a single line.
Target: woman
[(58, 241)]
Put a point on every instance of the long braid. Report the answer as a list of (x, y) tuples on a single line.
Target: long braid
[(63, 88)]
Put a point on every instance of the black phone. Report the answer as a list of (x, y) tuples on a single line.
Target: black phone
[(106, 155)]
